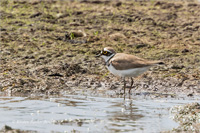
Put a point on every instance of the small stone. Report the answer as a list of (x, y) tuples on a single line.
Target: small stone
[(35, 15), (190, 95), (74, 34), (117, 36), (118, 4), (185, 51), (6, 128), (130, 20), (177, 67), (141, 45)]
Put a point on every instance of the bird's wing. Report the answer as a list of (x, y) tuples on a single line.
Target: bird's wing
[(123, 61)]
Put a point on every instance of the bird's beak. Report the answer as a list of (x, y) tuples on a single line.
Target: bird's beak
[(99, 54)]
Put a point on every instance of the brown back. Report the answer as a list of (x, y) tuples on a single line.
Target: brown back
[(123, 61)]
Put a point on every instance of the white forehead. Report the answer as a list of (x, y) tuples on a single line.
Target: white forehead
[(105, 49), (109, 49)]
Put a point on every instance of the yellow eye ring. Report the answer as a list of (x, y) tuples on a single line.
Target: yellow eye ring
[(105, 52)]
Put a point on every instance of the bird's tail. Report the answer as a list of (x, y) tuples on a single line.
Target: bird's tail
[(160, 63), (157, 63)]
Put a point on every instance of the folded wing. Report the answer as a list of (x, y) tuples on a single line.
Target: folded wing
[(125, 61)]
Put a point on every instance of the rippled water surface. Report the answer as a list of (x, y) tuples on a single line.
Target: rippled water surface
[(88, 114)]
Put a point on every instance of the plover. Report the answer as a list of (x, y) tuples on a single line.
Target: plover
[(125, 65)]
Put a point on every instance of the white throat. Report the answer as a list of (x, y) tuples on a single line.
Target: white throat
[(107, 58)]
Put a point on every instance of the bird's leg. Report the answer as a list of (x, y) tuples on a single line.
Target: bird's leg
[(124, 87), (131, 86)]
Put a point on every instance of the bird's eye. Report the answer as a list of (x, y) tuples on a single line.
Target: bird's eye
[(105, 52)]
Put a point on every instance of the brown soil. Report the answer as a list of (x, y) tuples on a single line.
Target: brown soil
[(48, 47)]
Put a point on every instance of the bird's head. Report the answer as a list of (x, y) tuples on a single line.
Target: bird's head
[(106, 53)]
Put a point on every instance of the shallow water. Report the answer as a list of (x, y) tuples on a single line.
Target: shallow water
[(88, 114)]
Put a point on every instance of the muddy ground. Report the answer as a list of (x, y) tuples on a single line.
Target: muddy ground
[(48, 47)]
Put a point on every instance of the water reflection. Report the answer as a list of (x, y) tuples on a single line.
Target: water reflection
[(124, 120), (86, 114)]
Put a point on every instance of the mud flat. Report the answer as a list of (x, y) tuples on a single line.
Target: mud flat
[(48, 47), (188, 116)]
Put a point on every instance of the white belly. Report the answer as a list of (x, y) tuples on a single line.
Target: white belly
[(128, 73)]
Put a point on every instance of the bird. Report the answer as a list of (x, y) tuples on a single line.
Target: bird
[(125, 65)]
